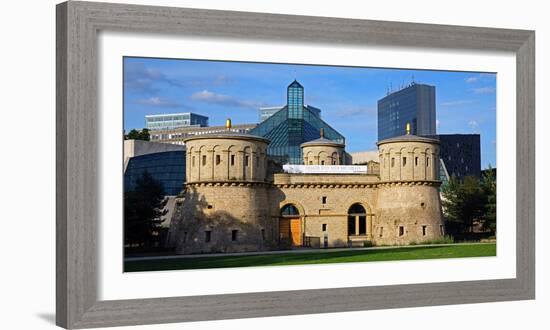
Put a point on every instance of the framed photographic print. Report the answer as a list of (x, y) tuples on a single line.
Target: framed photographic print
[(315, 164)]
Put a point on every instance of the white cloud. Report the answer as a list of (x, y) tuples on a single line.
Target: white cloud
[(159, 102), (356, 111), (479, 78), (140, 78), (221, 99), (484, 90), (455, 103), (474, 125)]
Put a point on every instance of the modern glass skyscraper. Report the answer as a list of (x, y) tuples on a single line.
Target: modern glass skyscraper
[(460, 155), (293, 125), (414, 104), (175, 120)]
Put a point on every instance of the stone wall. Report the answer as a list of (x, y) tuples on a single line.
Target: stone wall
[(226, 158), (409, 208), (323, 155), (413, 207), (323, 203), (413, 159), (229, 206), (222, 209)]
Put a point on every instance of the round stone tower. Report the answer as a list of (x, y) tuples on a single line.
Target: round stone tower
[(409, 206), (323, 152), (223, 207)]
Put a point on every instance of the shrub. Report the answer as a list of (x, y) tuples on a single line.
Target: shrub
[(368, 244), (444, 240)]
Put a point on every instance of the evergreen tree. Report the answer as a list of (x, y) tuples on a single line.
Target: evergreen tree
[(489, 186), (144, 211), (463, 202), (138, 135)]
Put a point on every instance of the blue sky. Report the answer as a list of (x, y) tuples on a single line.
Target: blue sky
[(347, 96)]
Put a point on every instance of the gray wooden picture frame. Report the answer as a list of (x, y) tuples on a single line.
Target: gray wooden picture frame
[(78, 24)]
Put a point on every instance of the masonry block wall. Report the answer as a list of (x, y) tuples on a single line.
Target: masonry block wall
[(229, 206)]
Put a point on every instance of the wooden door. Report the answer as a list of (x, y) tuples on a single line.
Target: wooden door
[(291, 229), (295, 232), (284, 228)]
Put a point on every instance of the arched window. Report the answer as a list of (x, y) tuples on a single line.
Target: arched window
[(290, 210), (357, 209), (357, 220)]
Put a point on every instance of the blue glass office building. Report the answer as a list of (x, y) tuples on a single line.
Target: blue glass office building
[(293, 125), (166, 167), (460, 155), (414, 104)]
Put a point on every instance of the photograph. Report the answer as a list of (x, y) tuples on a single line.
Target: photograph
[(247, 164)]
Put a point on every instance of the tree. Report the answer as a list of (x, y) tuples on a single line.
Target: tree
[(144, 211), (489, 186), (138, 135), (463, 202)]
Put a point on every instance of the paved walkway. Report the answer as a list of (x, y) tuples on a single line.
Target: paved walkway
[(298, 250)]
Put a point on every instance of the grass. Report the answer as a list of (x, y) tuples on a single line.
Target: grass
[(444, 240), (325, 257)]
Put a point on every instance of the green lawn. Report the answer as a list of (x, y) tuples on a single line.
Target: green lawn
[(325, 257)]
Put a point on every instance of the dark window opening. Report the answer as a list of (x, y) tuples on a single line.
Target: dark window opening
[(357, 220), (415, 161), (401, 230), (218, 160), (246, 160), (207, 236), (324, 199), (424, 230), (392, 162), (234, 235), (209, 206), (203, 160), (404, 161), (324, 227), (289, 210), (263, 234), (232, 160), (362, 225)]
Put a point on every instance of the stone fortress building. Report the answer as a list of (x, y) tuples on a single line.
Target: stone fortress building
[(234, 200)]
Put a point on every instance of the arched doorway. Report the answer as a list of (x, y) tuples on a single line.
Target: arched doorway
[(357, 220), (290, 228)]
